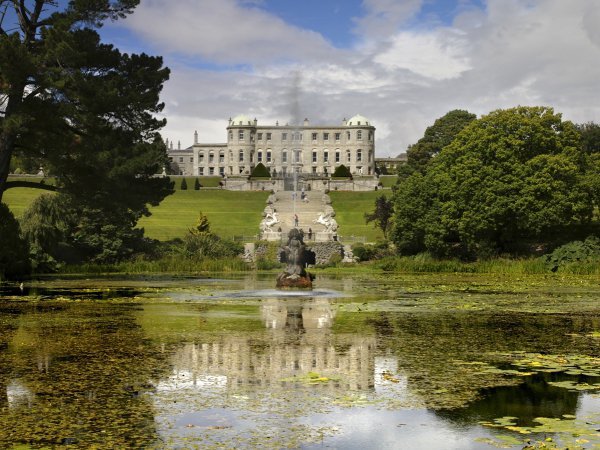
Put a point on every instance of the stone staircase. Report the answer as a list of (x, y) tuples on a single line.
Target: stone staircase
[(306, 211)]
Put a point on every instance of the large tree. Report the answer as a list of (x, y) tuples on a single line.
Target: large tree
[(435, 138), (511, 177), (84, 110)]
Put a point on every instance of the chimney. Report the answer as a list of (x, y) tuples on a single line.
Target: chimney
[(195, 137), (178, 145), (305, 122)]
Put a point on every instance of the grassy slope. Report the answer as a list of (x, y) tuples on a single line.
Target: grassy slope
[(350, 209), (230, 213)]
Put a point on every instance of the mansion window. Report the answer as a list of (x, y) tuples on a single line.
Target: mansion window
[(181, 159), (201, 157), (222, 171), (268, 136), (230, 135), (284, 136), (221, 157), (314, 156), (347, 135), (348, 156), (297, 156), (325, 136), (259, 136), (191, 159), (359, 134), (241, 135), (337, 157), (314, 136), (211, 157), (284, 157), (259, 157), (370, 135), (358, 155), (325, 156), (241, 156), (268, 156), (211, 170), (314, 169), (201, 171), (297, 136), (337, 137)]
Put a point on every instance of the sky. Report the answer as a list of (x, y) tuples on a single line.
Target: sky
[(400, 63)]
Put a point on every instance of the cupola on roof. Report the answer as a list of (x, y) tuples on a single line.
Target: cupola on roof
[(358, 120), (241, 120)]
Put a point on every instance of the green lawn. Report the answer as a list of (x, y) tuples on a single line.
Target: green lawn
[(19, 199), (350, 209), (387, 181), (230, 213)]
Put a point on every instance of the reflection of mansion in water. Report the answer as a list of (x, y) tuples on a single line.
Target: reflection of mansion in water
[(300, 342), (283, 149)]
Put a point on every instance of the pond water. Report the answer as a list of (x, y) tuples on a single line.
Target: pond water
[(363, 361)]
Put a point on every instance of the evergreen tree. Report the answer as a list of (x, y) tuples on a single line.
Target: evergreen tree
[(183, 186), (260, 171), (382, 215), (341, 171), (86, 112), (197, 184)]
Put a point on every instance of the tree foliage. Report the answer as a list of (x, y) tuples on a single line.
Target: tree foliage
[(260, 171), (14, 254), (511, 177), (382, 214), (341, 171), (436, 137), (85, 112)]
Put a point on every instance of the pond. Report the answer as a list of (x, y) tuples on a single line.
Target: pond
[(363, 361)]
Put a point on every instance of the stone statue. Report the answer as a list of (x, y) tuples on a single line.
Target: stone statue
[(269, 220), (296, 256)]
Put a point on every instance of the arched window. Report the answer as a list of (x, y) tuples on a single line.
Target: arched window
[(268, 156), (325, 156), (359, 134), (348, 156), (259, 157), (221, 156), (284, 157), (358, 155), (211, 157), (241, 156), (201, 157)]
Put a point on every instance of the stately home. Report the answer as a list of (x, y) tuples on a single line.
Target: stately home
[(283, 149)]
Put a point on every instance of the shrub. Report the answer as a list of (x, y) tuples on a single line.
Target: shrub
[(14, 251), (45, 225), (587, 251), (183, 186), (260, 171), (363, 252), (197, 185), (342, 172), (208, 245)]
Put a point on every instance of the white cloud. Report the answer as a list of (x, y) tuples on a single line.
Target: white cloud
[(512, 52), (438, 55), (224, 31)]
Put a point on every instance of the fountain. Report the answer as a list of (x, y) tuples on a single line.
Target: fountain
[(296, 256)]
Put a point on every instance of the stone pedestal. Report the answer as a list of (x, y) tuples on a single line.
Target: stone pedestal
[(271, 235), (323, 236)]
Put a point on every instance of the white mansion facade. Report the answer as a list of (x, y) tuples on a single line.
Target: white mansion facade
[(283, 149)]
